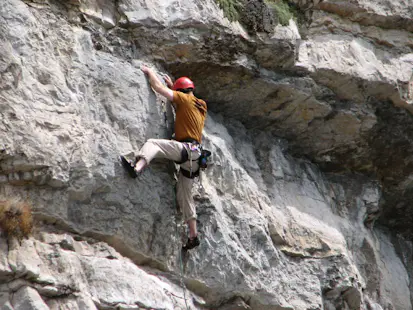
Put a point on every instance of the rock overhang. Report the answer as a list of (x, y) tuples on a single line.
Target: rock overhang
[(327, 107), (339, 134)]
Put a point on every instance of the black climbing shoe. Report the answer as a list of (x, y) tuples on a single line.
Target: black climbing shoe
[(192, 243), (129, 167)]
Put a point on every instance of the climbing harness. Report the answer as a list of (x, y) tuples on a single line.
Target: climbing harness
[(186, 156), (188, 150)]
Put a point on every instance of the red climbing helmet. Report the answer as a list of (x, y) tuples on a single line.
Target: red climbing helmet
[(183, 83)]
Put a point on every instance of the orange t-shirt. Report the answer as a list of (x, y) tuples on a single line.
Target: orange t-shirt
[(190, 116)]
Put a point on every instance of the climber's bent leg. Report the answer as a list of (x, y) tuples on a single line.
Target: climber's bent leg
[(160, 148), (153, 148)]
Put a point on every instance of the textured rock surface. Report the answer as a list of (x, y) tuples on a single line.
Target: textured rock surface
[(279, 230), (80, 274)]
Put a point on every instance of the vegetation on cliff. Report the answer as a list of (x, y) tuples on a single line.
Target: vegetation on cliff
[(233, 9), (16, 218)]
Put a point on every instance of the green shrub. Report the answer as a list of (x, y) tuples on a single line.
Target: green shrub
[(284, 11), (231, 8)]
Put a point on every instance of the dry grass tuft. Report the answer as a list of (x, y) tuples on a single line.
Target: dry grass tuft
[(16, 218)]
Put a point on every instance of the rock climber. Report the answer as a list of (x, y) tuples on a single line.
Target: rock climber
[(185, 149)]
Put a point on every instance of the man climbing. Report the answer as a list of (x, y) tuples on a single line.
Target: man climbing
[(185, 149)]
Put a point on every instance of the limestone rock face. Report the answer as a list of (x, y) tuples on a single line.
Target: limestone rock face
[(311, 142)]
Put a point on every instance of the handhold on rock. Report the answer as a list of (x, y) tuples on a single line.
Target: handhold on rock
[(129, 167)]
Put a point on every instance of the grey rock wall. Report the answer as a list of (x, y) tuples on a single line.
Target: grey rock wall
[(279, 231)]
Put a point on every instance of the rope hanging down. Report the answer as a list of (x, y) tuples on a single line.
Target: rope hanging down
[(181, 265), (406, 92)]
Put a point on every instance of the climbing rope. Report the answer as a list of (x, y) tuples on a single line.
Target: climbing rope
[(181, 268), (406, 92), (181, 265)]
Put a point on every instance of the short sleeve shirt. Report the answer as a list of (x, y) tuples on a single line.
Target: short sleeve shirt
[(190, 116)]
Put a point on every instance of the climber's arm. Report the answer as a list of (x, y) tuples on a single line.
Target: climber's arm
[(157, 85), (170, 85)]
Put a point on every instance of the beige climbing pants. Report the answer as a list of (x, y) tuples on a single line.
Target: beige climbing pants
[(171, 149)]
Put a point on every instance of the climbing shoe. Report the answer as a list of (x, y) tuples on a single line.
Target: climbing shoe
[(192, 243), (129, 167)]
